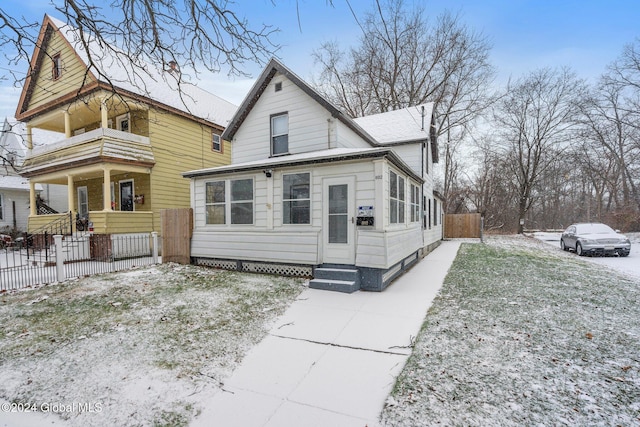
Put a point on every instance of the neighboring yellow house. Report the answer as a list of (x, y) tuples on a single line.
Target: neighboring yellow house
[(134, 132)]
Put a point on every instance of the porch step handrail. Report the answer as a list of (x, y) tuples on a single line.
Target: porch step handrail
[(61, 225)]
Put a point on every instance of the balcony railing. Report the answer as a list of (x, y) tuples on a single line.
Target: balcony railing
[(98, 145), (92, 135)]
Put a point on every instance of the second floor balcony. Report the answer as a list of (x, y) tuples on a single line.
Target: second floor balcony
[(97, 146)]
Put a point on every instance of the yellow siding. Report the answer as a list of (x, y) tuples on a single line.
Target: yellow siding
[(178, 145), (141, 184), (38, 221), (46, 89), (121, 222)]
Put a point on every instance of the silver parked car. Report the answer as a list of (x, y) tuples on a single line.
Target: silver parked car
[(594, 239)]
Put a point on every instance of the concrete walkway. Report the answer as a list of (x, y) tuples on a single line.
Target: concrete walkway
[(332, 358)]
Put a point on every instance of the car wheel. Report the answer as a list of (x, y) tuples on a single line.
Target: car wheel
[(563, 246), (579, 250), (623, 254)]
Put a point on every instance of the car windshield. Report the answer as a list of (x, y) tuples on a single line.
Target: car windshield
[(594, 229)]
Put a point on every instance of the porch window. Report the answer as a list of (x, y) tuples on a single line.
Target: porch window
[(396, 198), (216, 143), (296, 198), (242, 201), (415, 203), (280, 134), (215, 202)]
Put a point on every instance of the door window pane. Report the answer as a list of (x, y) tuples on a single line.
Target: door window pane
[(338, 214)]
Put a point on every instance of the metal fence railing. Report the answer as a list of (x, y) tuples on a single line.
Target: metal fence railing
[(75, 256)]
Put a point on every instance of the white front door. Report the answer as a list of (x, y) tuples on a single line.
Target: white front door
[(338, 220)]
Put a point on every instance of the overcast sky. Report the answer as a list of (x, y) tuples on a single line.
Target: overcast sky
[(585, 35)]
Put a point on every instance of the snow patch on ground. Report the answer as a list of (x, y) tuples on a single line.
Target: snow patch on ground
[(144, 347), (523, 333)]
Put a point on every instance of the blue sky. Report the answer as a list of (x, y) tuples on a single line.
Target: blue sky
[(585, 35)]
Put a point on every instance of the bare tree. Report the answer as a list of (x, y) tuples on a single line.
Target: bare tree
[(536, 121), (197, 34), (402, 60)]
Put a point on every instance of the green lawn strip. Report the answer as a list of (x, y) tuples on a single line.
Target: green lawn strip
[(522, 335)]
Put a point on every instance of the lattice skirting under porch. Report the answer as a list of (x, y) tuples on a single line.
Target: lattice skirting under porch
[(257, 267)]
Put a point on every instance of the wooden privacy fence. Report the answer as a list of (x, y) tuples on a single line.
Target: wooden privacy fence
[(462, 226), (177, 226)]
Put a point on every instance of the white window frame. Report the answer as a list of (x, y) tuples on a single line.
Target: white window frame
[(397, 203), (275, 135), (216, 140), (121, 119), (85, 190), (285, 200), (215, 203), (233, 201), (229, 202), (415, 203)]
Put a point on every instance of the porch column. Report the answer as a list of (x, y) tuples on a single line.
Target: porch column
[(106, 200), (29, 138), (32, 198), (67, 124), (104, 117), (70, 191)]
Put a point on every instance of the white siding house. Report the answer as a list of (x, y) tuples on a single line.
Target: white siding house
[(311, 191)]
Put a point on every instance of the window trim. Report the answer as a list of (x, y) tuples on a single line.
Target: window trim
[(228, 202), (285, 200), (400, 201), (272, 136), (252, 200), (223, 203), (213, 143), (121, 118), (82, 189), (56, 67), (414, 203)]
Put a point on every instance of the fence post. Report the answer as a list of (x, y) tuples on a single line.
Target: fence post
[(154, 238), (59, 258)]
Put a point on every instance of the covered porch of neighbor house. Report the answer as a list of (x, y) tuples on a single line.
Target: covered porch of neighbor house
[(85, 163)]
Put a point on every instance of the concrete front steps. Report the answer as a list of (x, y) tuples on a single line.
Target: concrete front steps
[(336, 278)]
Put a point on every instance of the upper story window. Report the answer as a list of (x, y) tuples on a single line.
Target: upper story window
[(280, 134), (296, 198), (56, 70), (396, 198), (123, 123), (216, 143)]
